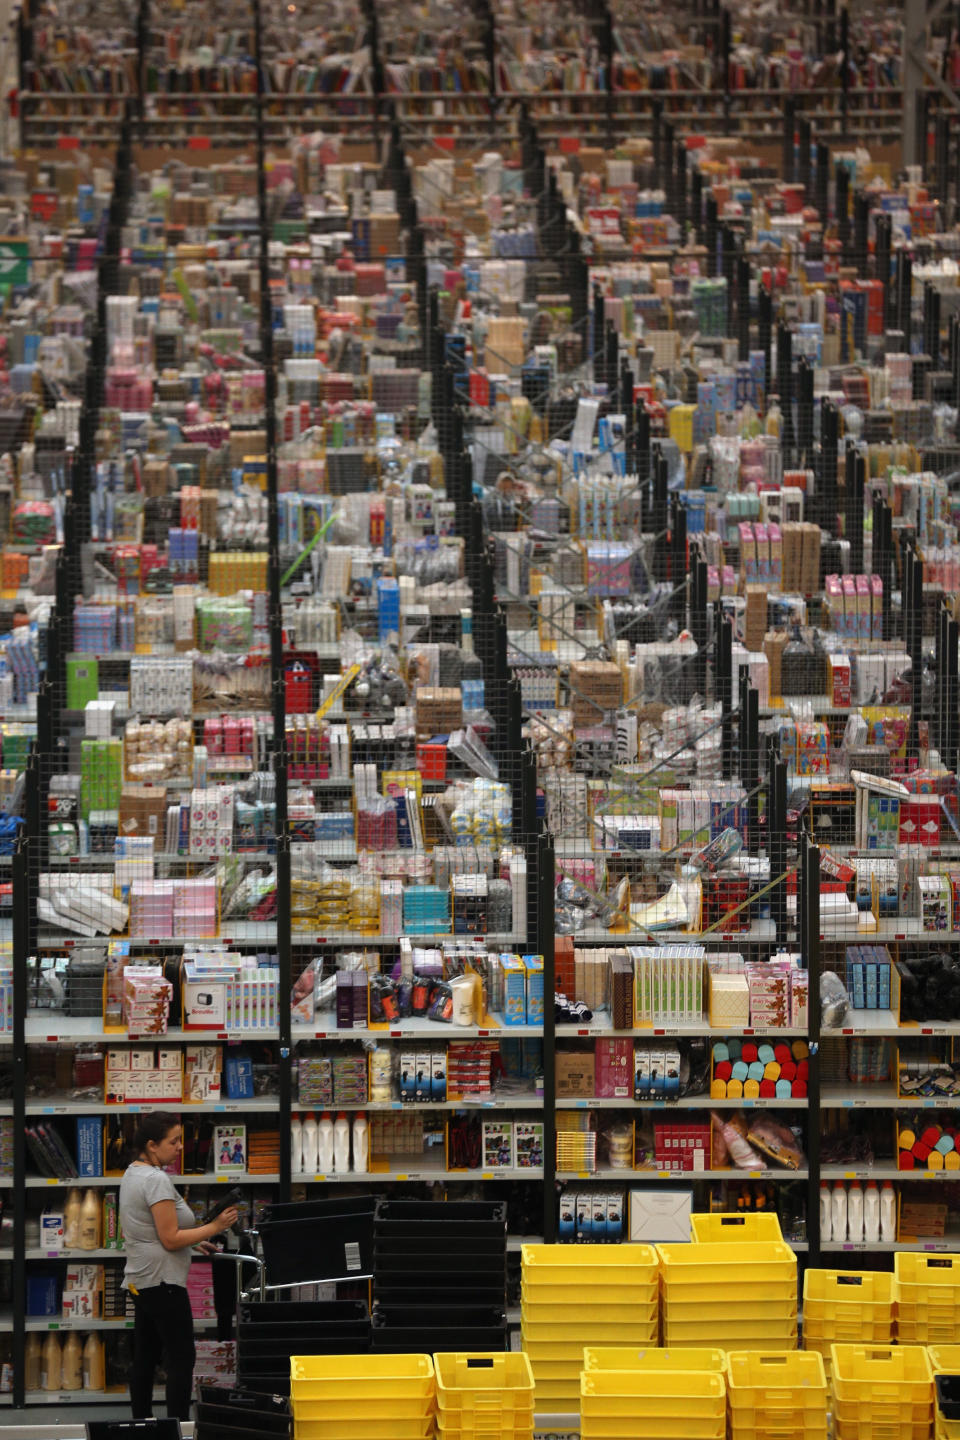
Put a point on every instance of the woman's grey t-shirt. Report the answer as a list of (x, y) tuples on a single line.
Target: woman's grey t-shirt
[(148, 1263)]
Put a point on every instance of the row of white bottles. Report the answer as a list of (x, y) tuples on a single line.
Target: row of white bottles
[(852, 1215), (76, 1365), (323, 1147), (82, 1217)]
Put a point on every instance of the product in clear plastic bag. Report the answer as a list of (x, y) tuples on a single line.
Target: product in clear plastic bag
[(834, 1000), (741, 1152), (776, 1140), (722, 848)]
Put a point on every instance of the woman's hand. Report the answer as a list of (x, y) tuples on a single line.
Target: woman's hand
[(207, 1247), (225, 1219)]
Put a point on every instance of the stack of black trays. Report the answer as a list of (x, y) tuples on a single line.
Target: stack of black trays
[(318, 1240), (270, 1331), (224, 1414), (439, 1276)]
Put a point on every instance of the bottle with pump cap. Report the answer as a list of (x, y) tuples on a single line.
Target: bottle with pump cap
[(341, 1144), (871, 1213), (71, 1220), (826, 1216), (839, 1207), (50, 1364), (71, 1363), (308, 1141), (325, 1161), (32, 1361), (94, 1377), (90, 1221), (855, 1214), (888, 1213), (296, 1146), (361, 1145)]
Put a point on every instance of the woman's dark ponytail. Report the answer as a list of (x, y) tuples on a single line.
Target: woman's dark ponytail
[(152, 1125)]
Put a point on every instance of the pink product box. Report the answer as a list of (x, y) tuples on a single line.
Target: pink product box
[(613, 1069), (748, 550)]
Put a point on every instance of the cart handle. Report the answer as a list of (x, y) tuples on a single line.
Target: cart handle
[(237, 1259)]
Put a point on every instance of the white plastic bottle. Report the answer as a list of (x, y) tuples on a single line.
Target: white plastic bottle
[(839, 1208), (871, 1213), (826, 1216), (308, 1141), (341, 1144), (855, 1214), (361, 1145), (296, 1146), (324, 1164), (888, 1213)]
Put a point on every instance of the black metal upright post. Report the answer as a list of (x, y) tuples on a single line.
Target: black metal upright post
[(842, 191), (724, 683), (789, 138), (805, 169), (805, 380), (829, 439), (749, 755), (861, 225), (546, 863), (904, 297), (785, 388), (809, 896), (659, 517), (710, 234), (743, 308), (696, 201), (882, 258), (777, 841), (942, 155), (823, 184), (678, 560), (765, 337), (641, 425)]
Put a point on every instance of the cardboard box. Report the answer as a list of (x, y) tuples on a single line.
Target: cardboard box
[(658, 1217), (575, 1074), (143, 810)]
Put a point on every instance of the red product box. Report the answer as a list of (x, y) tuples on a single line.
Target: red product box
[(432, 761), (919, 820)]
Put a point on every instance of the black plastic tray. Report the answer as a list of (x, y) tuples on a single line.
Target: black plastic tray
[(405, 1219), (334, 1244), (948, 1396), (260, 1349), (300, 1312)]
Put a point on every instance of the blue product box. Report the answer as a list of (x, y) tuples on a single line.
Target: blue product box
[(515, 990), (43, 1295), (238, 1075), (533, 965), (90, 1145)]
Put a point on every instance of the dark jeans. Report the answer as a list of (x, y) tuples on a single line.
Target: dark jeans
[(163, 1325)]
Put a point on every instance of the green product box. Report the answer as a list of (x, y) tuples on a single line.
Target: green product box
[(83, 680)]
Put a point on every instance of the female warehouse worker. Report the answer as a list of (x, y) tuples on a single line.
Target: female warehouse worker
[(159, 1232)]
